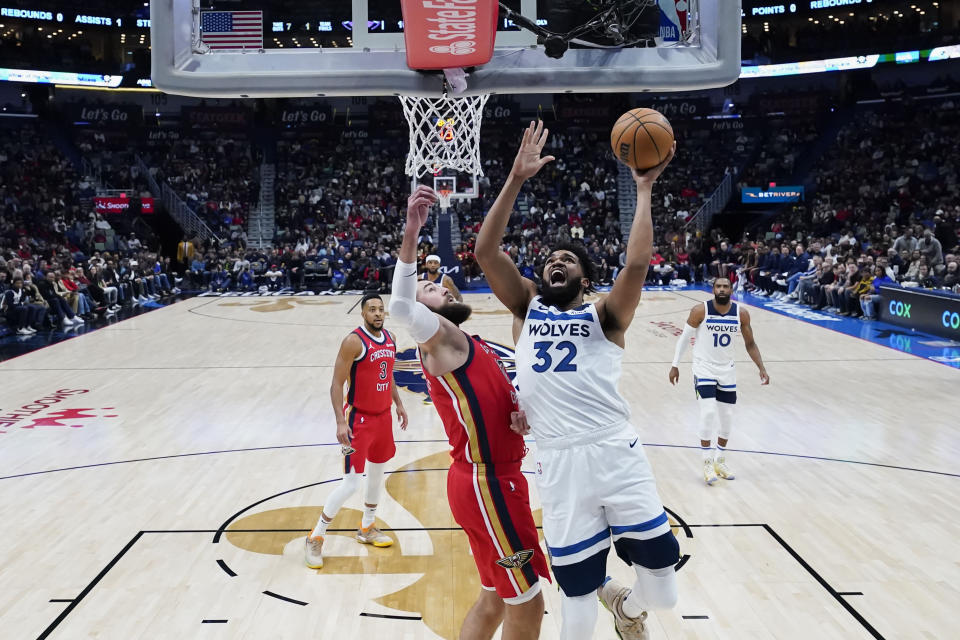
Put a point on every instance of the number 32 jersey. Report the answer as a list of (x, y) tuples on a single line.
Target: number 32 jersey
[(568, 372)]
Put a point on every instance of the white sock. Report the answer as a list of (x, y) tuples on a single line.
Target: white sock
[(721, 452), (579, 616), (321, 529), (654, 589), (369, 516), (707, 452)]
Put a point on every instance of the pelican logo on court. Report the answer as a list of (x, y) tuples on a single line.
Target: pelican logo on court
[(517, 560), (408, 374)]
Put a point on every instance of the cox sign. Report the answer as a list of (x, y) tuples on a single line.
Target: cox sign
[(933, 312), (900, 309)]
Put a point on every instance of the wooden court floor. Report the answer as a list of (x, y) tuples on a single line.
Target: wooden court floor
[(158, 477)]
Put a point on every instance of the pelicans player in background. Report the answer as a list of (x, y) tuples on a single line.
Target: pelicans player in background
[(714, 324), (476, 403), (364, 424)]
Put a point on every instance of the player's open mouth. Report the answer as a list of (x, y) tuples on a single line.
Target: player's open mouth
[(557, 276)]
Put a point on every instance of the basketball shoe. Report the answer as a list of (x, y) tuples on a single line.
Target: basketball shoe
[(612, 594), (709, 472), (720, 466), (372, 535), (314, 552)]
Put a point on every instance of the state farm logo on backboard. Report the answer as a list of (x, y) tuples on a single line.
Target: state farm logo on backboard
[(42, 413), (440, 34)]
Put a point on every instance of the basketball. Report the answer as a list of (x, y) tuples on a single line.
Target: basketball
[(641, 138)]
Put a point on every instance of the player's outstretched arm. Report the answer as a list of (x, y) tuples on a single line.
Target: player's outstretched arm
[(444, 346), (696, 317), (512, 289), (617, 309), (752, 349), (350, 350)]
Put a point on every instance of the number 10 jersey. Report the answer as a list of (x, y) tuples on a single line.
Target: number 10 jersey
[(714, 356), (568, 372)]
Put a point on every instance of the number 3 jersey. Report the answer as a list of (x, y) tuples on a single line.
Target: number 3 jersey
[(713, 350), (372, 373), (568, 372)]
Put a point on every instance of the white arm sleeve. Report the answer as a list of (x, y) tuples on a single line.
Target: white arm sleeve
[(683, 343), (422, 323)]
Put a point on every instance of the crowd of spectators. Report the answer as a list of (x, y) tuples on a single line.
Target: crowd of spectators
[(55, 271), (886, 210), (214, 175), (340, 201)]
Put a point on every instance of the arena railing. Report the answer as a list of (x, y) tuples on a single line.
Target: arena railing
[(190, 222)]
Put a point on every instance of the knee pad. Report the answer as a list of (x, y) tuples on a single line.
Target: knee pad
[(709, 415), (656, 589), (351, 482), (726, 416), (656, 553), (584, 577)]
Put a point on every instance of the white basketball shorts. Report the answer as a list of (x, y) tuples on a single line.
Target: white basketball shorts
[(596, 489)]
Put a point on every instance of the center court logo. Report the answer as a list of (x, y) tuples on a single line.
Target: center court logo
[(408, 374), (446, 574)]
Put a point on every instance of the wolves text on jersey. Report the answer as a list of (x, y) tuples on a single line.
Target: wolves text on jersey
[(558, 330)]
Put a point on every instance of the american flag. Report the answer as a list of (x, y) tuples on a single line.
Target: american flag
[(232, 29)]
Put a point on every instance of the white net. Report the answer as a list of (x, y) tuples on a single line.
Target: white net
[(444, 134)]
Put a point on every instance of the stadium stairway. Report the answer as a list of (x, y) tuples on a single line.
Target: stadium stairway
[(262, 222), (626, 198)]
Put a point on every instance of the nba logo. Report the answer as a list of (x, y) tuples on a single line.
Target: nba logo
[(673, 20)]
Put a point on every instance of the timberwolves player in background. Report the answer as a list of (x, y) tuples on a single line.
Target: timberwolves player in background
[(476, 403), (364, 425), (596, 485), (714, 324), (432, 274)]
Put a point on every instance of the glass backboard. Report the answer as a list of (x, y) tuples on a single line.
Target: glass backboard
[(357, 48)]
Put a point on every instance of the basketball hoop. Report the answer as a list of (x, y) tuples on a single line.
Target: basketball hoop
[(444, 199), (444, 134)]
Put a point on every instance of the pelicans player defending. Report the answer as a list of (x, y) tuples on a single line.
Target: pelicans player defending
[(476, 402), (364, 424), (596, 485), (714, 324)]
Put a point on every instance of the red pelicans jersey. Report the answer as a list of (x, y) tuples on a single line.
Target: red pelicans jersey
[(474, 403), (372, 373)]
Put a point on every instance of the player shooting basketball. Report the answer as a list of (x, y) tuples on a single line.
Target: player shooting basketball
[(596, 485)]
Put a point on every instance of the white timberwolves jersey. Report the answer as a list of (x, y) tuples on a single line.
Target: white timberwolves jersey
[(568, 372), (713, 350)]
